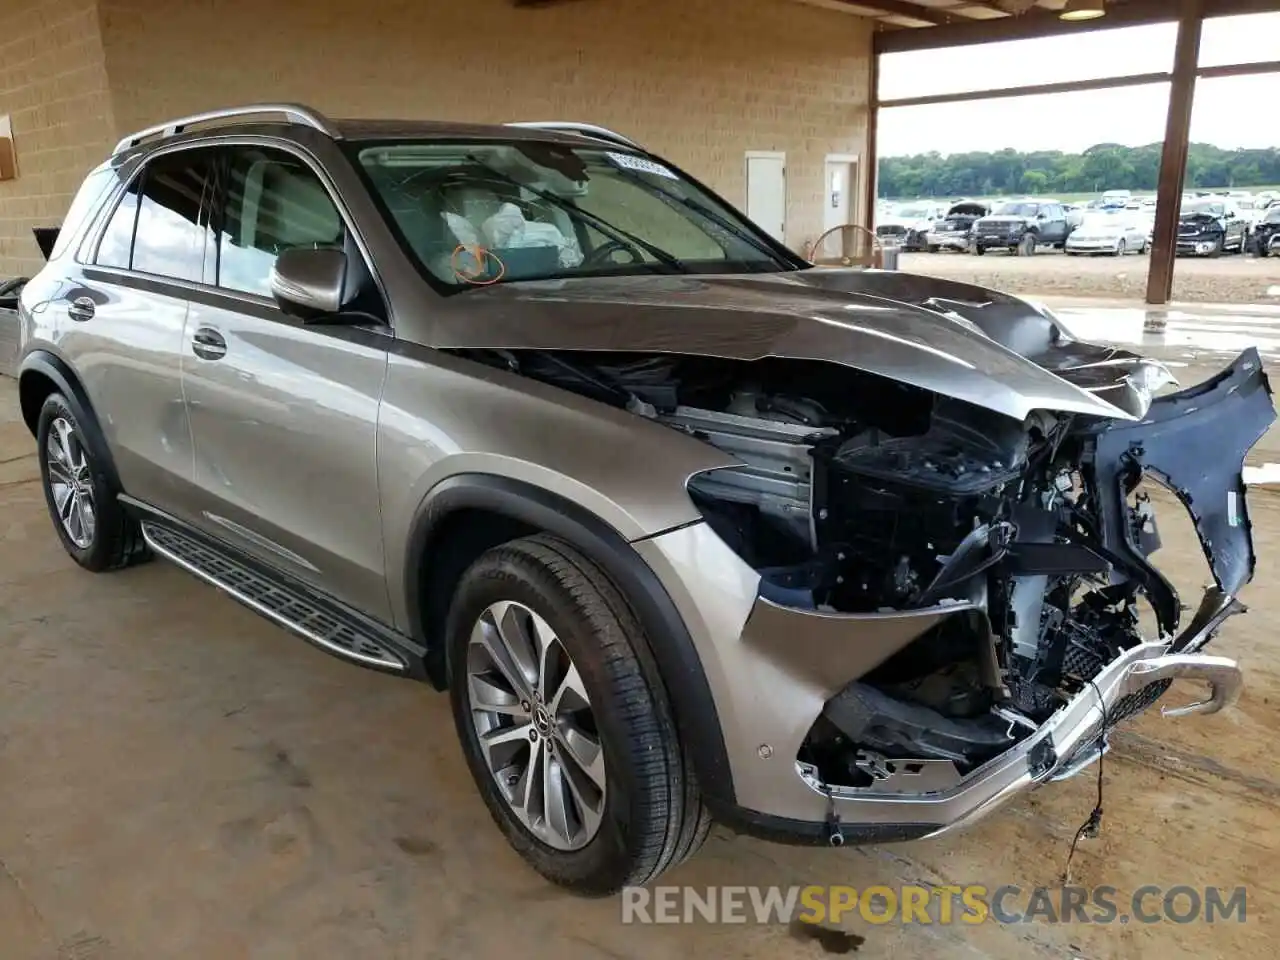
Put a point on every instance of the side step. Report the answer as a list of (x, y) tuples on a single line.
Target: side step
[(294, 609)]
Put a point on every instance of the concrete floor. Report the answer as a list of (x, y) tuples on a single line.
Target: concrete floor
[(179, 778)]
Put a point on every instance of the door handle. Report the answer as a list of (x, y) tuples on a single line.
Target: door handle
[(81, 309), (208, 344)]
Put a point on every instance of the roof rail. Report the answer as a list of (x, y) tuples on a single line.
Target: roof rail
[(584, 129), (294, 112)]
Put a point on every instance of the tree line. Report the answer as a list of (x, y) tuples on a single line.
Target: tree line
[(1106, 166)]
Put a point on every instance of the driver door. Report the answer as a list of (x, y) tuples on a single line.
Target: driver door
[(284, 415)]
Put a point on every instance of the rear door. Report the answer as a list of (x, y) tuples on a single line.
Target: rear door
[(126, 318), (284, 415), (1054, 228)]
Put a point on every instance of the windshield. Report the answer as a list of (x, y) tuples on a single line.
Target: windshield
[(1103, 221), (1211, 207), (1272, 215), (914, 212), (473, 214), (1017, 210)]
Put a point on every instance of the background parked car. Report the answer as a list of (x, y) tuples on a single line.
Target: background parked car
[(1266, 234), (909, 224), (952, 231), (1209, 226), (1115, 233), (1021, 227)]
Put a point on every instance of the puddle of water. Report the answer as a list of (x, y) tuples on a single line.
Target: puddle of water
[(1265, 474), (1219, 333)]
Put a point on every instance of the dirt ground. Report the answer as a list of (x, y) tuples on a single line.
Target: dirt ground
[(179, 778), (1229, 279)]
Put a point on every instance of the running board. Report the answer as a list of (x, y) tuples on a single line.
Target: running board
[(322, 624)]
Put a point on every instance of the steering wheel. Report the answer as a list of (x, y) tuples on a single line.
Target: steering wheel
[(603, 254)]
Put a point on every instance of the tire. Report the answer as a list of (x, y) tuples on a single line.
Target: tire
[(96, 531), (980, 251), (1120, 249), (933, 248), (1027, 245), (1219, 248), (650, 814)]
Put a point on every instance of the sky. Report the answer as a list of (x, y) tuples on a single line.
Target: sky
[(1229, 112)]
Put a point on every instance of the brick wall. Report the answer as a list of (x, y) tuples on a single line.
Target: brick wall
[(53, 86), (701, 81)]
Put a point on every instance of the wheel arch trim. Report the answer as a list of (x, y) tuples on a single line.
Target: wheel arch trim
[(671, 647), (64, 379)]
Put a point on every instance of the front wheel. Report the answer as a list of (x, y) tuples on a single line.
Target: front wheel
[(1120, 249), (93, 527), (564, 723), (1027, 245)]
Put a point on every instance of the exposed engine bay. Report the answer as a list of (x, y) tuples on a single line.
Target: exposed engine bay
[(858, 494)]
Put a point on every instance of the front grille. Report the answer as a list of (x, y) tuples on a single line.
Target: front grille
[(891, 230), (1135, 703)]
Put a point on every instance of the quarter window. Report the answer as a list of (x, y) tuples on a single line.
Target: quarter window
[(115, 247), (274, 202)]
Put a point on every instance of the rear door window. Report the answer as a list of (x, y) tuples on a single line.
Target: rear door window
[(170, 239)]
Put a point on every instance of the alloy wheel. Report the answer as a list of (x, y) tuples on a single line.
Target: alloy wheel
[(535, 727), (71, 483)]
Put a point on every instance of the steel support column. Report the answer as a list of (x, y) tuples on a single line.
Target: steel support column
[(871, 162), (1173, 159)]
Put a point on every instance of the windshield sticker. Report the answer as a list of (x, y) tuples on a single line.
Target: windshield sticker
[(629, 161)]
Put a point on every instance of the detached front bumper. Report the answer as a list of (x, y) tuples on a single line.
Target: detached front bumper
[(949, 241)]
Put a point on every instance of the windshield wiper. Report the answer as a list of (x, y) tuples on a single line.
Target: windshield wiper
[(617, 234)]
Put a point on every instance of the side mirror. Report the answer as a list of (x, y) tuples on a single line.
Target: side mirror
[(308, 283)]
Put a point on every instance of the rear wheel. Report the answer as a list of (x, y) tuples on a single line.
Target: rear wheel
[(564, 723), (93, 527)]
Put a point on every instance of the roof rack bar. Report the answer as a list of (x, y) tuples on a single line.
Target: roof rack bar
[(585, 129), (294, 112)]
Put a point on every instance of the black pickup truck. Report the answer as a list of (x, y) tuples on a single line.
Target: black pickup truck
[(1021, 227)]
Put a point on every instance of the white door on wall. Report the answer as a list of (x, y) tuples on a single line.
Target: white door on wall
[(842, 180), (767, 191)]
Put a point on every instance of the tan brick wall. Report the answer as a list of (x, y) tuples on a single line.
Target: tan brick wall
[(700, 81), (53, 86)]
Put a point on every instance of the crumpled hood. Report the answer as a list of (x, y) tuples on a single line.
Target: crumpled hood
[(803, 315)]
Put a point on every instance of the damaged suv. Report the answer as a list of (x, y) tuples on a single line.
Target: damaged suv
[(688, 528)]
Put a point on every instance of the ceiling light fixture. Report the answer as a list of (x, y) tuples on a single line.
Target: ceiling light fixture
[(1076, 10)]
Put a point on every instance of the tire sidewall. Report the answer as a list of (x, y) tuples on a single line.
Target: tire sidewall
[(96, 556), (605, 862)]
